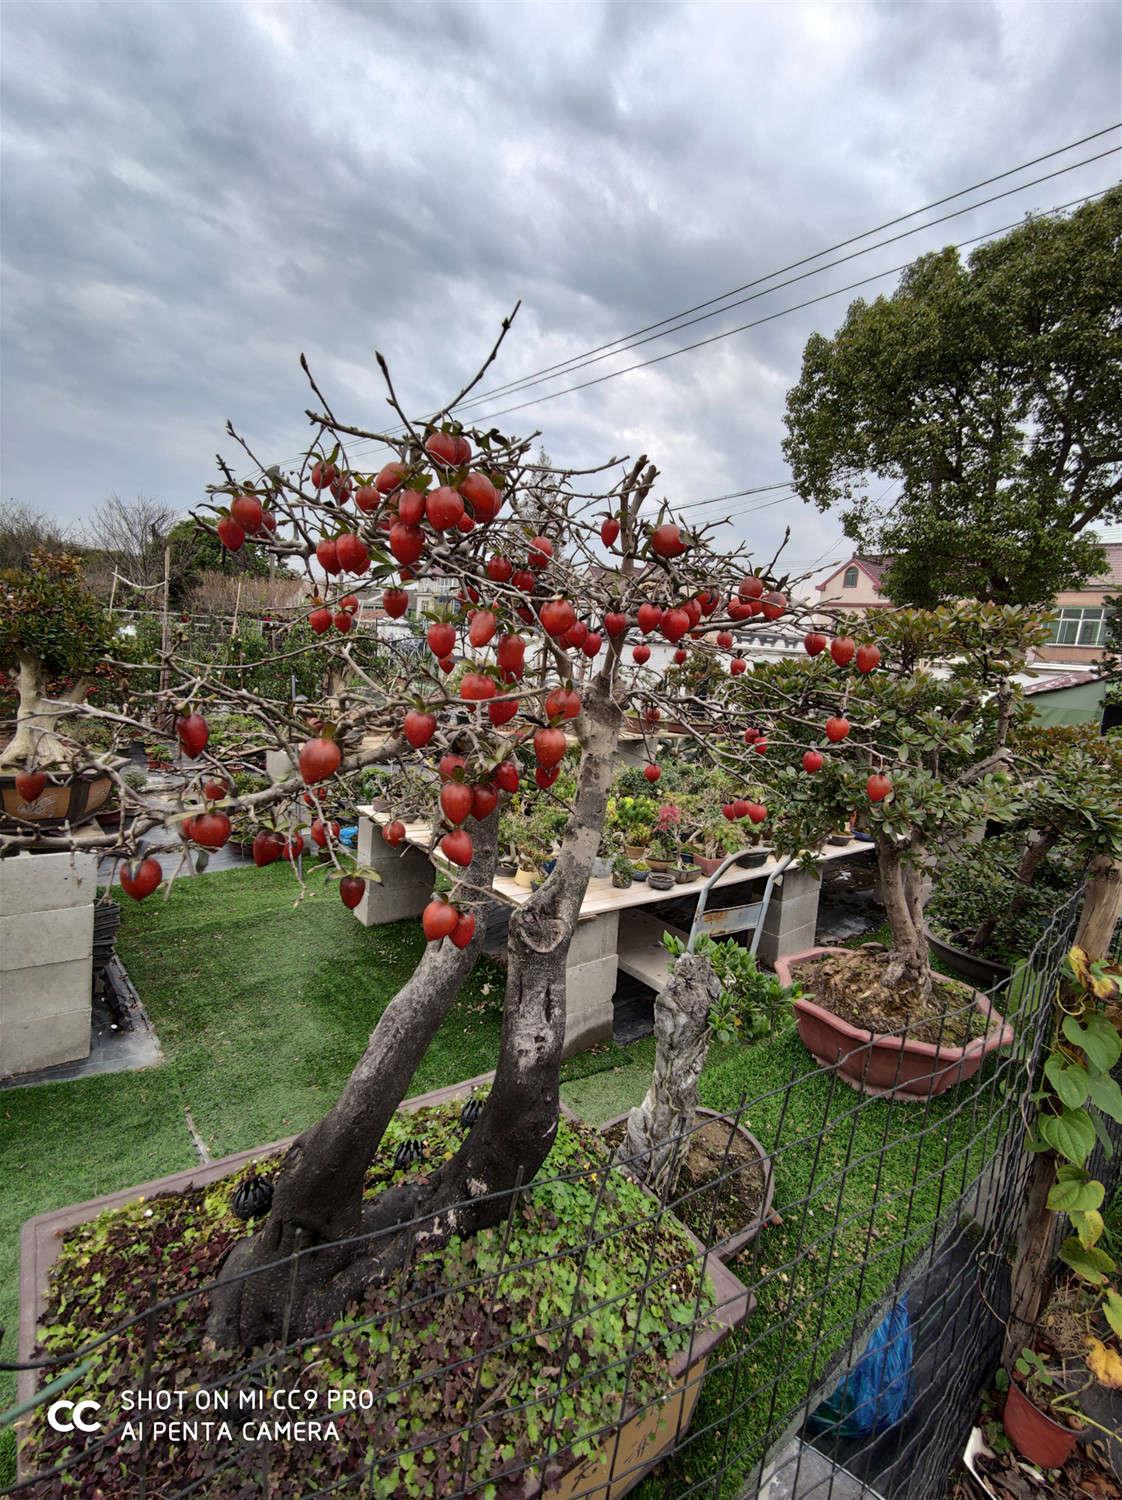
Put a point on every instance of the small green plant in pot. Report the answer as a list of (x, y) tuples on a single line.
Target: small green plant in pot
[(621, 872)]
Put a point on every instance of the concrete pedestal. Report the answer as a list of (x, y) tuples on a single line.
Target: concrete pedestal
[(46, 948), (590, 982), (792, 916), (407, 879)]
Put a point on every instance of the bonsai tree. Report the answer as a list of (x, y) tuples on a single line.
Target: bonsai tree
[(920, 754), (54, 640), (1070, 777), (527, 616)]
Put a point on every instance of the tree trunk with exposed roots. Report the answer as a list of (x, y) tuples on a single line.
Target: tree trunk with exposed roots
[(318, 1195), (905, 886), (35, 741), (653, 1150)]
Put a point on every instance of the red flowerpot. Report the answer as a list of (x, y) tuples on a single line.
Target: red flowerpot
[(890, 1064), (1034, 1434)]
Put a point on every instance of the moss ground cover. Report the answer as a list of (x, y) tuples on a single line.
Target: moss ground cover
[(462, 1334)]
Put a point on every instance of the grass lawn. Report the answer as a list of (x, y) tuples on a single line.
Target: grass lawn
[(262, 1008)]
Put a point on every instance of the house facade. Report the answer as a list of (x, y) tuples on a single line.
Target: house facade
[(1077, 633)]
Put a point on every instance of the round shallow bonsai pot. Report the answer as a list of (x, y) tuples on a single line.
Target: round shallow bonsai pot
[(753, 859), (731, 1246), (894, 1064), (981, 972), (68, 797), (1035, 1435)]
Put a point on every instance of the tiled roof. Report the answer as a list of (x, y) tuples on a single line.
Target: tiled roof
[(1054, 684)]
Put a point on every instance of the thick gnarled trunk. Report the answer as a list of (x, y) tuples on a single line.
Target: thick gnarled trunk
[(318, 1196), (1102, 906), (905, 886), (653, 1151), (35, 741)]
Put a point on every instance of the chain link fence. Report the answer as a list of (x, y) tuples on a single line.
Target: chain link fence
[(586, 1347)]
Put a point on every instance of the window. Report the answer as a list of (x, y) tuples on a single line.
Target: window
[(849, 580), (1078, 627)]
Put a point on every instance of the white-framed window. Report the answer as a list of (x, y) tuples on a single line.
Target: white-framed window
[(849, 578), (1077, 626)]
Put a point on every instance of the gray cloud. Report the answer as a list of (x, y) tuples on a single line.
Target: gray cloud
[(194, 194)]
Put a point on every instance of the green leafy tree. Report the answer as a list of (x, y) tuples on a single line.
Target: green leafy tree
[(54, 638), (195, 551), (990, 392)]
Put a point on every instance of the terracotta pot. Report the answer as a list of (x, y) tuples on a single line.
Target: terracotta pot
[(709, 866), (657, 864), (896, 1065), (728, 1249), (636, 851), (1033, 1433), (73, 798)]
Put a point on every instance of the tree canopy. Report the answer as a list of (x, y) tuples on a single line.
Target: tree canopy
[(990, 392)]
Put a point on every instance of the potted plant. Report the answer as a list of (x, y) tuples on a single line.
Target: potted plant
[(621, 872), (1036, 1403), (885, 1020), (716, 841), (663, 852), (55, 642), (633, 817)]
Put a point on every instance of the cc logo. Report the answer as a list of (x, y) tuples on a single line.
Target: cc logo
[(56, 1416)]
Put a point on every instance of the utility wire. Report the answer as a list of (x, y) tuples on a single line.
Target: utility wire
[(758, 322), (633, 341), (577, 362)]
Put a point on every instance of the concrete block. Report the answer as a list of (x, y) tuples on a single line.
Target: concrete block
[(588, 1003), (782, 944), (595, 937), (46, 882), (48, 938), (394, 900), (26, 1046), (46, 989)]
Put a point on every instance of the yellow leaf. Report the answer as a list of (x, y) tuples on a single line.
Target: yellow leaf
[(1105, 1364), (1089, 1227)]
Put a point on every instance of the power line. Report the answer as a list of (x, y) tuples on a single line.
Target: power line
[(577, 362), (769, 318), (634, 339)]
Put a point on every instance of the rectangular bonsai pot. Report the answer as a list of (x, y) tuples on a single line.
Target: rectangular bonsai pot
[(890, 1064), (622, 1455)]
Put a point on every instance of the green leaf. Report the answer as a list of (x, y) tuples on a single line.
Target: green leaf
[(1092, 1264), (1073, 1196), (1088, 1226), (1097, 1038), (1112, 1307), (1106, 1094), (1070, 1081), (1071, 1134)]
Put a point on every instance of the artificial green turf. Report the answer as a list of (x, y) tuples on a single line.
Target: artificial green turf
[(263, 1003)]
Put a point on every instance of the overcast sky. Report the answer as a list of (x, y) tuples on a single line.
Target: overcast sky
[(194, 193)]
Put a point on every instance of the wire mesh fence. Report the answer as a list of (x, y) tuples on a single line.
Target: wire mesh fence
[(588, 1344)]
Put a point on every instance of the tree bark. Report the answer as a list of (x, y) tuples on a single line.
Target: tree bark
[(904, 888), (318, 1198), (1031, 1281), (1031, 859), (1102, 906), (682, 1037), (35, 740)]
